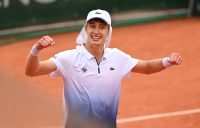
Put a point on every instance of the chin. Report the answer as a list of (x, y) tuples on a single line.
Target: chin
[(96, 43)]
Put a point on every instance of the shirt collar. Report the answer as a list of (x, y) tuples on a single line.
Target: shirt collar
[(88, 55), (107, 53)]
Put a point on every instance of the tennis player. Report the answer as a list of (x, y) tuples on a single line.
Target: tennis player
[(92, 72)]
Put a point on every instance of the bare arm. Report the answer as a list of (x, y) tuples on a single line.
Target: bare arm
[(35, 67), (153, 66)]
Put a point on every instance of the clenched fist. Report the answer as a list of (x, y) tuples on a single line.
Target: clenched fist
[(44, 42), (175, 59)]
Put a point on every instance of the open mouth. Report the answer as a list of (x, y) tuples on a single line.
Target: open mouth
[(96, 38)]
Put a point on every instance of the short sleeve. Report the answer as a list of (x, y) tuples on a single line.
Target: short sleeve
[(132, 65), (57, 60), (126, 62)]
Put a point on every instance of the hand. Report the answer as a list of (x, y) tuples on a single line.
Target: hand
[(44, 42), (175, 59)]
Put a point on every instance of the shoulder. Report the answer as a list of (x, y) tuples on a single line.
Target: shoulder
[(66, 54), (115, 52), (117, 55)]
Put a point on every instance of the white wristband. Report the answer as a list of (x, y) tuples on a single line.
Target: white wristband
[(35, 51), (166, 63)]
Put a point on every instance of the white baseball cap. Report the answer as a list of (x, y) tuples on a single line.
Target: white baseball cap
[(101, 14)]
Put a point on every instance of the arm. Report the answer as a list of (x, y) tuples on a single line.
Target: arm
[(157, 65), (35, 67)]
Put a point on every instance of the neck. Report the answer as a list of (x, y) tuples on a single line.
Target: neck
[(96, 51)]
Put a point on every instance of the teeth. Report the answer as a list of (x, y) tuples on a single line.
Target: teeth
[(96, 37)]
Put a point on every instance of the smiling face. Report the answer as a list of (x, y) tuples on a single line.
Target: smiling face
[(97, 31)]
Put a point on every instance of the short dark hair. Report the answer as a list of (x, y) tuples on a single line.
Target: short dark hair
[(97, 19)]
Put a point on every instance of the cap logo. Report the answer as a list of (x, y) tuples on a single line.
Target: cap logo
[(97, 13)]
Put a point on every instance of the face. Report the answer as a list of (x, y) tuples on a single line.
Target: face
[(97, 31)]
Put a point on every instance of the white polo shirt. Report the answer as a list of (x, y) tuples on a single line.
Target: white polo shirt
[(91, 90)]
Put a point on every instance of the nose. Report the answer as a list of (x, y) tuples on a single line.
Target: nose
[(96, 30)]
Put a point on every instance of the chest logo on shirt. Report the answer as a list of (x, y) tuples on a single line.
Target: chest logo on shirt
[(111, 68), (84, 69)]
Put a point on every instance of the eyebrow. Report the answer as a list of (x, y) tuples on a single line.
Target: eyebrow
[(92, 23)]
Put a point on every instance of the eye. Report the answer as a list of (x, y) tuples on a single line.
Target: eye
[(102, 27), (92, 25)]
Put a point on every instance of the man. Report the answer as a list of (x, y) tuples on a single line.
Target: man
[(92, 72)]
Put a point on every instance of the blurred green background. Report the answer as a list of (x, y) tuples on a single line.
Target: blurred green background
[(18, 18)]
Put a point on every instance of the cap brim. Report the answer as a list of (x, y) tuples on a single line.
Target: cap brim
[(97, 18)]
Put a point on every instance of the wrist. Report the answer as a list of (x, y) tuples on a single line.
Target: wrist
[(35, 51), (166, 63)]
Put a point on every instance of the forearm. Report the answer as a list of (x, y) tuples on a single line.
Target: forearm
[(154, 66), (35, 67), (157, 65), (32, 65)]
